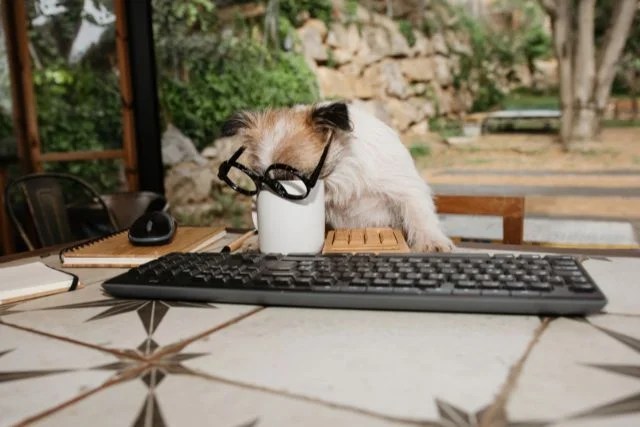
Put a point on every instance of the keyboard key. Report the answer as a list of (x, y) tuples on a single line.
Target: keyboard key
[(582, 287), (496, 292), (540, 286), (490, 285), (467, 292), (525, 294), (360, 282), (516, 285), (427, 283), (466, 284)]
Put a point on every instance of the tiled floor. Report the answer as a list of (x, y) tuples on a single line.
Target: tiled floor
[(82, 358)]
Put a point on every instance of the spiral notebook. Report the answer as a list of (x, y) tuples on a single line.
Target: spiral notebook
[(115, 250)]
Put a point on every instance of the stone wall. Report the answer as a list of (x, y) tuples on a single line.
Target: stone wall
[(367, 59)]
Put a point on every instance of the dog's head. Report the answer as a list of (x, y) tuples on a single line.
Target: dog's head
[(294, 136)]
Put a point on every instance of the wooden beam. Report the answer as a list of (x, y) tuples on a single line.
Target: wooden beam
[(22, 85), (68, 156), (17, 93), (128, 119)]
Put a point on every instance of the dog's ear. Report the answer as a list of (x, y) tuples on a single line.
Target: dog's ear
[(236, 122), (335, 115)]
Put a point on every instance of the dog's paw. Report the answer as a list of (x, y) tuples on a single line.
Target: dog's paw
[(436, 242)]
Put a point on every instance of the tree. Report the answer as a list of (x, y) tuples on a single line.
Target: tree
[(586, 73)]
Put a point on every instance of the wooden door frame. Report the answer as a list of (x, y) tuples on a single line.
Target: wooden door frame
[(24, 101)]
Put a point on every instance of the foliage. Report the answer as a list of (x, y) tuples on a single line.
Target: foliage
[(420, 150), (444, 127), (79, 109), (406, 29), (320, 9), (6, 124), (496, 52), (243, 75)]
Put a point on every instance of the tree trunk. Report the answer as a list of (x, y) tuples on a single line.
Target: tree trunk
[(586, 76), (608, 57), (583, 126), (563, 46)]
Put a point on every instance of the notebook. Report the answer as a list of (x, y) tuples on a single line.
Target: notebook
[(31, 280), (116, 251), (365, 240)]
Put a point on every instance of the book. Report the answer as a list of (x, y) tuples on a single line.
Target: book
[(32, 280), (115, 250)]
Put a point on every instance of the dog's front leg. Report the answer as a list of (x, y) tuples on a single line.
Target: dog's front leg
[(420, 221)]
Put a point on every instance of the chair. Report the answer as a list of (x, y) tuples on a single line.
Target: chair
[(129, 206), (53, 208), (511, 209)]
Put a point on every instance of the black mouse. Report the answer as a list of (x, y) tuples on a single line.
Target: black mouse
[(153, 228)]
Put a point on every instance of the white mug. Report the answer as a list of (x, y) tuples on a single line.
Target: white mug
[(291, 226)]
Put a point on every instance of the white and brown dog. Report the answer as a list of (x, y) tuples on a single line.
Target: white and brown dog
[(370, 178)]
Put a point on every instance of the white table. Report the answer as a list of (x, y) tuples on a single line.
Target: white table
[(82, 358)]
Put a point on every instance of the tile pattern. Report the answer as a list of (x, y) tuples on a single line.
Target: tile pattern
[(165, 363), (581, 371)]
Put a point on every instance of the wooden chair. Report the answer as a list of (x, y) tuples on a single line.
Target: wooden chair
[(511, 209)]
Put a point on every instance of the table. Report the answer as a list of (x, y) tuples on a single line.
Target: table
[(84, 358)]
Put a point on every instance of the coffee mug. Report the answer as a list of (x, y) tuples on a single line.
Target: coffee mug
[(291, 226)]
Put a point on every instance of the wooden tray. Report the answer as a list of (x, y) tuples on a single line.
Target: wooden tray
[(365, 240)]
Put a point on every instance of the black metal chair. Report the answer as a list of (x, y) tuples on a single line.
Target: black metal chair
[(130, 205), (53, 208)]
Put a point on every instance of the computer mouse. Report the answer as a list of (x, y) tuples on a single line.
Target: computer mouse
[(153, 228)]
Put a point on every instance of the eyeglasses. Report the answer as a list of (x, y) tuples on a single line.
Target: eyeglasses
[(247, 182)]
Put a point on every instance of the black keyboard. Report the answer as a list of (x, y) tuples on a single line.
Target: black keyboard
[(472, 283)]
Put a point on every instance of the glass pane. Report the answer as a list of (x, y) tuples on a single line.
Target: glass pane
[(75, 78), (6, 121)]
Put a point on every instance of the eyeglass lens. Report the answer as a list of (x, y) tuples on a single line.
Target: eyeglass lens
[(241, 180)]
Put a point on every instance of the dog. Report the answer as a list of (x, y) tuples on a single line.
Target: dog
[(369, 175)]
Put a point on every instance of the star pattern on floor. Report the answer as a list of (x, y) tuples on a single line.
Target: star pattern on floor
[(6, 310), (150, 312), (23, 375), (452, 416), (151, 364), (626, 405)]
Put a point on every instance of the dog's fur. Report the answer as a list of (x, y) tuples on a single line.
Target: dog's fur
[(370, 178)]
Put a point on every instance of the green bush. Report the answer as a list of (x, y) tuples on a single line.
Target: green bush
[(406, 29), (320, 9), (6, 124), (79, 109), (243, 77)]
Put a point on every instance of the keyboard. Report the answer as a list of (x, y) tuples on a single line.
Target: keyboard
[(445, 282)]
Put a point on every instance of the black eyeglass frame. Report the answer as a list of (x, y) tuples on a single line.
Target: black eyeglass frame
[(275, 185)]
